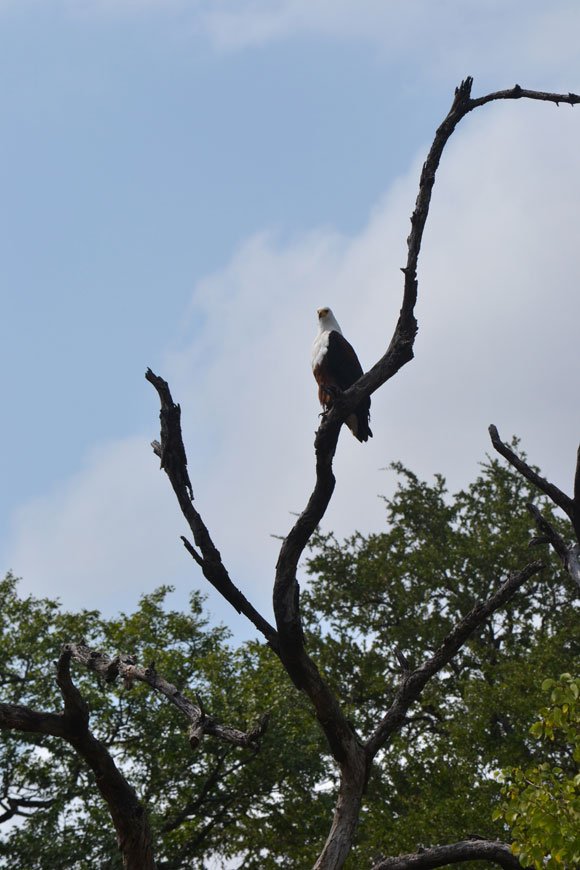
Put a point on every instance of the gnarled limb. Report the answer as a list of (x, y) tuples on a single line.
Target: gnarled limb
[(174, 462), (398, 353), (414, 682), (200, 722), (569, 554), (127, 813), (440, 856), (72, 725), (342, 740), (559, 498)]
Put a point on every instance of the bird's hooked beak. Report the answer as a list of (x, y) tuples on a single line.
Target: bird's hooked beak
[(322, 312)]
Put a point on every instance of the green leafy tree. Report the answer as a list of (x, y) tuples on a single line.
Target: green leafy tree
[(542, 803), (368, 599), (53, 817), (400, 591)]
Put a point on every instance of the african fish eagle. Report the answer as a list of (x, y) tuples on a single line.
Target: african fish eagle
[(336, 365)]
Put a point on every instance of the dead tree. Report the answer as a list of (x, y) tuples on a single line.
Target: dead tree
[(354, 753)]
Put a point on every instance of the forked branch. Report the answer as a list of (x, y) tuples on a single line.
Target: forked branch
[(398, 353), (128, 815)]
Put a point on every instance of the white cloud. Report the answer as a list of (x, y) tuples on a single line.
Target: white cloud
[(235, 24), (90, 541), (447, 37), (490, 39), (498, 312)]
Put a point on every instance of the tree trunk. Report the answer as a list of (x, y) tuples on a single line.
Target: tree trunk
[(346, 813)]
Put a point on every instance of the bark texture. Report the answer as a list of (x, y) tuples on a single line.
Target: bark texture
[(440, 856)]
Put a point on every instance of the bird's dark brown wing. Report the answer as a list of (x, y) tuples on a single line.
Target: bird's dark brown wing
[(342, 361)]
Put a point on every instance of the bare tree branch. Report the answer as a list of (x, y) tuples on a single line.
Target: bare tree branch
[(18, 717), (199, 721), (174, 462), (398, 353), (412, 685), (518, 93), (127, 813), (171, 451), (440, 856), (569, 555), (559, 498)]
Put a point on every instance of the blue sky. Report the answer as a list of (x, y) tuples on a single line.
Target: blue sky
[(183, 183), (137, 157)]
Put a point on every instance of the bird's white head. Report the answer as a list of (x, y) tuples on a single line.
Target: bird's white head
[(327, 321)]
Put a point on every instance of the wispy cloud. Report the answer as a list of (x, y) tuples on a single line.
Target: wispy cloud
[(487, 38), (496, 35)]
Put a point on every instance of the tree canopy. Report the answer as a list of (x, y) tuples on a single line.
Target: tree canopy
[(371, 602), (543, 802)]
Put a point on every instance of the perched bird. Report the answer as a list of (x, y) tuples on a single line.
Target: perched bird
[(335, 365)]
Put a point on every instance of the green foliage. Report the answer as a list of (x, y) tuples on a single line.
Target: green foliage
[(366, 597), (542, 803), (209, 802), (403, 590)]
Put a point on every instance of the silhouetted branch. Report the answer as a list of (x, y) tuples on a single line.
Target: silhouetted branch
[(413, 684), (18, 717), (518, 93), (127, 813), (174, 462), (16, 806), (398, 353), (559, 498), (288, 641), (441, 856), (569, 555)]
